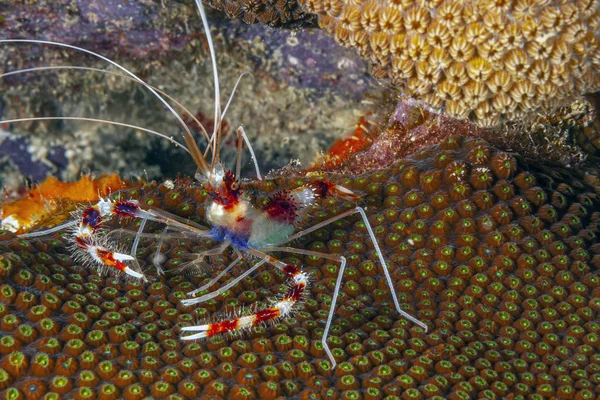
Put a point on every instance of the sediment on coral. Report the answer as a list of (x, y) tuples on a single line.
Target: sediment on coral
[(499, 255), (567, 137), (588, 137), (483, 60)]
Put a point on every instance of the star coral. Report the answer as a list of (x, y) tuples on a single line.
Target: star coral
[(483, 60), (498, 254)]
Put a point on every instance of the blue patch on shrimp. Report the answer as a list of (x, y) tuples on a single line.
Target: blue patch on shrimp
[(220, 234), (92, 218)]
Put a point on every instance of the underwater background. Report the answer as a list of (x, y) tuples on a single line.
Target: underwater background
[(477, 166)]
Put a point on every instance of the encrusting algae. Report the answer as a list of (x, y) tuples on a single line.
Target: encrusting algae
[(499, 255), (487, 60), (568, 136)]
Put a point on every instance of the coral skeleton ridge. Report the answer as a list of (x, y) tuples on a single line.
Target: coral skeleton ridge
[(267, 12)]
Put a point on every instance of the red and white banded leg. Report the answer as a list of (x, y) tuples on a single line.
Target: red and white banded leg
[(92, 217), (86, 231), (323, 188), (280, 309), (85, 234), (338, 283)]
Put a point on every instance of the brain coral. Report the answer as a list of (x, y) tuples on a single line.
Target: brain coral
[(500, 256), (485, 60)]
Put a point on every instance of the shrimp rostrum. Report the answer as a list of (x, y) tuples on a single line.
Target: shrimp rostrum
[(233, 221)]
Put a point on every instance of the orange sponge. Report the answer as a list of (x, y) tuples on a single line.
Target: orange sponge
[(53, 199)]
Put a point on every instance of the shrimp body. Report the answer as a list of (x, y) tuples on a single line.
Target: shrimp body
[(234, 218), (252, 231), (255, 231)]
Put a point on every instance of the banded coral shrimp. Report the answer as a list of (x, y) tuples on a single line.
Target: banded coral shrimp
[(234, 221)]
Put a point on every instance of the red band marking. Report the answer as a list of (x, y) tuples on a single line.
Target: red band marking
[(109, 260), (322, 188), (82, 243), (228, 194), (296, 292), (290, 270), (265, 315), (222, 327), (282, 207)]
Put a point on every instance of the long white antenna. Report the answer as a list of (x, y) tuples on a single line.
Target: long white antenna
[(77, 67), (242, 133), (197, 155), (108, 60), (103, 121), (233, 93), (217, 124)]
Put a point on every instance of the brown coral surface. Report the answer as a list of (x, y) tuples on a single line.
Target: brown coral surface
[(485, 60), (499, 256)]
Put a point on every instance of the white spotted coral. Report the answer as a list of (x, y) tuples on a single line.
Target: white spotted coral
[(486, 60)]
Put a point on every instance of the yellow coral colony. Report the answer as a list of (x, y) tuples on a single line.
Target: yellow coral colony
[(486, 60)]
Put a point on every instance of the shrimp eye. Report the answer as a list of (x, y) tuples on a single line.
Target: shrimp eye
[(235, 185)]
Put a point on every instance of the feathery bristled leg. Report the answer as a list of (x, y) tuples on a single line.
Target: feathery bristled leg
[(86, 237), (279, 309), (336, 290), (98, 250)]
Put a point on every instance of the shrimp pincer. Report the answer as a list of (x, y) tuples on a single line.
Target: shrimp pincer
[(251, 230)]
